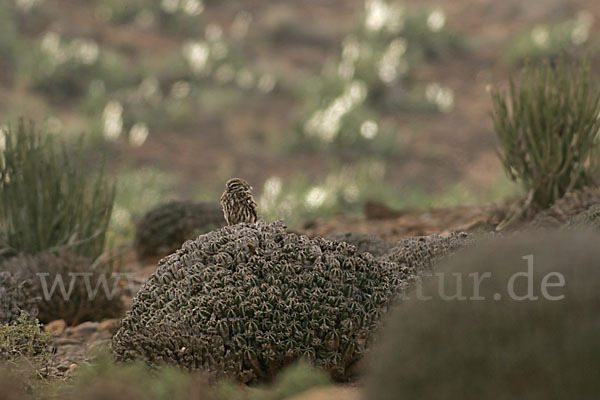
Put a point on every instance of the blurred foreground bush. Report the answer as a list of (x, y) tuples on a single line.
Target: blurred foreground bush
[(102, 378), (495, 345)]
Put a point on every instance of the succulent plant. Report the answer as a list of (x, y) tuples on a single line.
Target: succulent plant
[(499, 343), (84, 298), (363, 242), (16, 296), (417, 255), (248, 299), (165, 227), (567, 207), (588, 219)]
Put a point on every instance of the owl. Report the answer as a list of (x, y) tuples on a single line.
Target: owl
[(237, 202)]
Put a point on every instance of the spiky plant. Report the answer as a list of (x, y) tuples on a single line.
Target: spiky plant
[(47, 200), (547, 127)]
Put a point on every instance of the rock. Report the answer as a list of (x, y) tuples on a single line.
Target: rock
[(329, 393), (84, 329), (73, 367), (64, 366), (66, 341), (56, 328), (110, 325)]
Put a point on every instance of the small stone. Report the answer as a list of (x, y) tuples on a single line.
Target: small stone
[(73, 367), (55, 328)]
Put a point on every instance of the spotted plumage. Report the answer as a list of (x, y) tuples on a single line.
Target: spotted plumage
[(237, 202)]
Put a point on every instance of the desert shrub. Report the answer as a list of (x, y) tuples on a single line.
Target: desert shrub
[(47, 200), (246, 300), (164, 228), (180, 17), (548, 129), (17, 296), (23, 338), (342, 106), (561, 38), (500, 346), (70, 286)]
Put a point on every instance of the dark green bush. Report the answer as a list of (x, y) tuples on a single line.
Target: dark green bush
[(548, 129), (85, 296), (499, 348), (164, 228), (16, 296), (47, 200)]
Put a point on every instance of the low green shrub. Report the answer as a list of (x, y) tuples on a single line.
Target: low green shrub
[(506, 339), (23, 339), (547, 127), (47, 199)]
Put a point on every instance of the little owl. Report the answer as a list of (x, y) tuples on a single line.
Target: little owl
[(237, 202)]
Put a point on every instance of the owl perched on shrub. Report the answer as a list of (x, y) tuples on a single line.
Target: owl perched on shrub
[(237, 202)]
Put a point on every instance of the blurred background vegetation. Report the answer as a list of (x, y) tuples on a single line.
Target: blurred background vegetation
[(321, 106)]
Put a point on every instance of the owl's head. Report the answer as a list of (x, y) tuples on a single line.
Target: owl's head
[(237, 185)]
